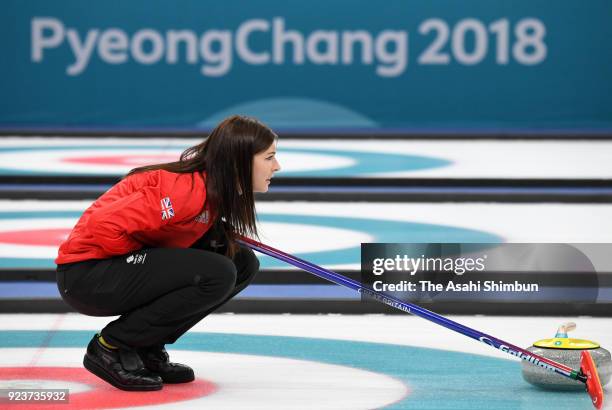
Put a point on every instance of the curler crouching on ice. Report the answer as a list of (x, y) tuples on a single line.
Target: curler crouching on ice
[(158, 249)]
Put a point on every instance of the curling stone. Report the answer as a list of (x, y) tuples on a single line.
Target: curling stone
[(565, 350)]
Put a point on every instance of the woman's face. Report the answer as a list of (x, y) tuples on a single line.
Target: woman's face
[(265, 165)]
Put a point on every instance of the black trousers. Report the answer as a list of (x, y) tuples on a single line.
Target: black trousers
[(159, 293)]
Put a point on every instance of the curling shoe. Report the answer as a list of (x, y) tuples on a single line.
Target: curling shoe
[(157, 360), (120, 367)]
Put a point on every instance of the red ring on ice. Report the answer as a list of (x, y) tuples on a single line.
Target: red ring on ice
[(123, 160), (35, 237), (102, 395)]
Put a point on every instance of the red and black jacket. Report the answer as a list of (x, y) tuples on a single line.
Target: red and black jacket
[(148, 209)]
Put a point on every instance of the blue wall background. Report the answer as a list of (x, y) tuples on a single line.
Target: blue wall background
[(484, 77)]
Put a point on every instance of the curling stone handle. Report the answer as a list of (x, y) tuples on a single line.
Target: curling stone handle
[(564, 328)]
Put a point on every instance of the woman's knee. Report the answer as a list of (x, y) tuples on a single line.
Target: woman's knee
[(219, 275), (246, 263)]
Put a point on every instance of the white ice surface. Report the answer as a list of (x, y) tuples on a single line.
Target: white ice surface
[(525, 159)]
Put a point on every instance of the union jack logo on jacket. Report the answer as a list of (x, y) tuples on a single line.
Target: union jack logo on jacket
[(167, 211)]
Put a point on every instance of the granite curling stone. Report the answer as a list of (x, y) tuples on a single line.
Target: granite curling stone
[(565, 350)]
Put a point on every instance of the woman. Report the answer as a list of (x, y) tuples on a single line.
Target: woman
[(158, 249)]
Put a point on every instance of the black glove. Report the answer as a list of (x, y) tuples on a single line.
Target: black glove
[(213, 240)]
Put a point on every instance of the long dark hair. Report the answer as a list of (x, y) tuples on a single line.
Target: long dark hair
[(226, 156)]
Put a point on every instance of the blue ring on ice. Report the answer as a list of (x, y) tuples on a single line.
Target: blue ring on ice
[(364, 162), (437, 379), (380, 231)]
